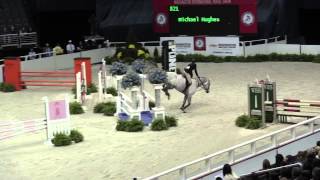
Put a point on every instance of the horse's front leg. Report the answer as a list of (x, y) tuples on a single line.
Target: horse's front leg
[(184, 102), (189, 103)]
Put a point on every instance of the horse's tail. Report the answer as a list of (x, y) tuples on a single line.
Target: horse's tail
[(165, 90)]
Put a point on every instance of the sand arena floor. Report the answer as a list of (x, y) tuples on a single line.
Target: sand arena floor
[(107, 154)]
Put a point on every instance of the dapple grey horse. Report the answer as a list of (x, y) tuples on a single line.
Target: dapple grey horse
[(178, 82)]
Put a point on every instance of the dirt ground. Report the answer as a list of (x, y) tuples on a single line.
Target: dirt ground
[(207, 127)]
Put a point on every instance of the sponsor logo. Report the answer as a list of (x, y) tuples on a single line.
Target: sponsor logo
[(161, 19), (247, 18)]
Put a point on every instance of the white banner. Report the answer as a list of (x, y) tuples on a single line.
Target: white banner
[(184, 45), (222, 46), (217, 46)]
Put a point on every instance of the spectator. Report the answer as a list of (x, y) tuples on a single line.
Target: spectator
[(307, 164), (81, 46), (70, 47), (57, 50), (301, 156), (47, 50), (266, 164), (316, 173), (295, 173), (32, 54), (279, 161), (227, 173)]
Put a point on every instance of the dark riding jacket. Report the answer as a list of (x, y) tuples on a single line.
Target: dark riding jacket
[(191, 67)]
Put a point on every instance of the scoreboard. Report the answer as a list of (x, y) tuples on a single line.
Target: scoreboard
[(204, 19)]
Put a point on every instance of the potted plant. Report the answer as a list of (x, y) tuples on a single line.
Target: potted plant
[(118, 69)]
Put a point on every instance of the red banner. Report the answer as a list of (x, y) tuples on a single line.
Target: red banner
[(161, 16)]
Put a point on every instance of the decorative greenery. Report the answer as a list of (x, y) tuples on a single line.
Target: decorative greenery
[(76, 136), (133, 125), (110, 60), (255, 58), (118, 68), (242, 121), (158, 125), (92, 88), (109, 109), (61, 139), (5, 87), (128, 60), (99, 108), (254, 123), (248, 122), (131, 79), (131, 50), (112, 91), (171, 121), (75, 108), (138, 66), (157, 76), (121, 125)]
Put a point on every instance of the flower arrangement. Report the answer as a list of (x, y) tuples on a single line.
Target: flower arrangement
[(157, 76), (131, 79), (118, 68)]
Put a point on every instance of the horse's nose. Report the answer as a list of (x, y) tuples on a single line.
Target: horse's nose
[(207, 91)]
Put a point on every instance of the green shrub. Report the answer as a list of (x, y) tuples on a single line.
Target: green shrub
[(254, 123), (112, 91), (122, 125), (76, 136), (135, 125), (158, 125), (98, 108), (5, 87), (171, 121), (74, 90), (92, 88), (61, 139), (75, 108), (242, 121), (109, 109)]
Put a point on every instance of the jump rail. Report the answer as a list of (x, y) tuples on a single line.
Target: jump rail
[(207, 160)]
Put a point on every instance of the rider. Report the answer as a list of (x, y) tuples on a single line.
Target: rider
[(188, 73)]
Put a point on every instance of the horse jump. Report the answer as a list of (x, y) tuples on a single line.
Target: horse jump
[(263, 104), (57, 120), (19, 78)]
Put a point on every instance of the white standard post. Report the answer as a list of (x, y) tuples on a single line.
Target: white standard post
[(134, 98), (68, 119), (157, 89), (104, 76), (144, 102), (49, 130), (78, 87), (84, 75), (100, 87)]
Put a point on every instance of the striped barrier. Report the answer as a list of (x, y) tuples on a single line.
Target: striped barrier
[(57, 120), (264, 105), (13, 74)]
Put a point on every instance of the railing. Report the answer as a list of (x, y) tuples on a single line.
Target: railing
[(120, 44), (37, 56), (18, 40), (206, 162), (263, 41), (272, 169)]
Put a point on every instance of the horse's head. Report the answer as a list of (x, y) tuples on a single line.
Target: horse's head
[(205, 84)]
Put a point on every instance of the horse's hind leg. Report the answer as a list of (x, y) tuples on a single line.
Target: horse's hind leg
[(183, 104)]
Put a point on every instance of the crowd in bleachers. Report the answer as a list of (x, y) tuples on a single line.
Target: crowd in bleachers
[(305, 166)]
